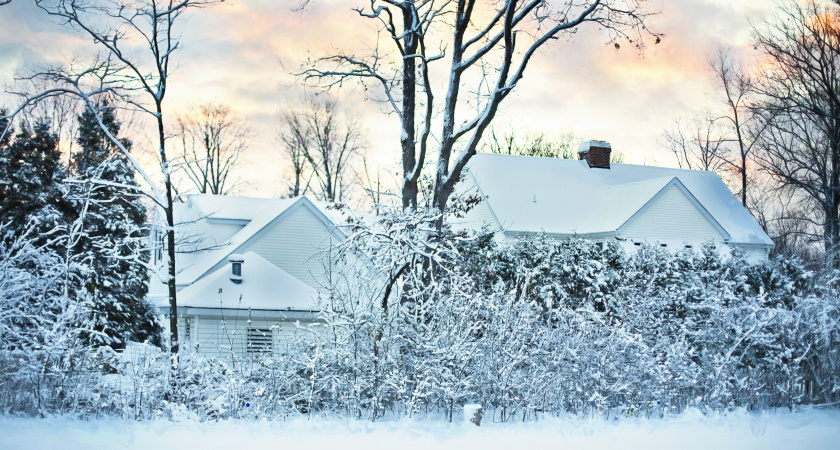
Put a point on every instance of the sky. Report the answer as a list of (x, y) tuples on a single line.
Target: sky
[(240, 53)]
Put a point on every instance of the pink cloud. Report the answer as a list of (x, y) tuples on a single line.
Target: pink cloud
[(232, 54)]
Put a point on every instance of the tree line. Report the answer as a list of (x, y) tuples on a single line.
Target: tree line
[(782, 121), (776, 135), (528, 329), (87, 216), (510, 35)]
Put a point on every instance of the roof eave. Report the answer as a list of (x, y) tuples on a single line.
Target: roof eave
[(752, 245), (558, 235), (282, 314)]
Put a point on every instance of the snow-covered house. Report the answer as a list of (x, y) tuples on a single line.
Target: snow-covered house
[(595, 199), (248, 269)]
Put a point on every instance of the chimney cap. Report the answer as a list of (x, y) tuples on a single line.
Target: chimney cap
[(586, 145), (236, 258)]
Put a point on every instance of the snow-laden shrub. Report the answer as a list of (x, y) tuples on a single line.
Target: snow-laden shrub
[(43, 314), (419, 323), (558, 326)]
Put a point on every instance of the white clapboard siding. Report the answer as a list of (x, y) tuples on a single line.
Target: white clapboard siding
[(671, 216), (186, 332), (228, 336), (192, 235), (157, 289), (296, 245), (481, 214), (214, 336), (221, 232), (756, 254)]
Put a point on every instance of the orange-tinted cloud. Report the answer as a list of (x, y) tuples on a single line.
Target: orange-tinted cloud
[(232, 53)]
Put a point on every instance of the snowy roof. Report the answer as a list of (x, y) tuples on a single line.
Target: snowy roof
[(560, 196), (264, 286), (198, 254)]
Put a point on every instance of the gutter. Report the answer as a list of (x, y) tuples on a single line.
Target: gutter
[(235, 313), (595, 235)]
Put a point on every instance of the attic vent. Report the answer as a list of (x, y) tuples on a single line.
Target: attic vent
[(236, 268), (259, 340), (596, 153)]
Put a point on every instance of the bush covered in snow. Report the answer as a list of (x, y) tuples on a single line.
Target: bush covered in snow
[(576, 326), (419, 324)]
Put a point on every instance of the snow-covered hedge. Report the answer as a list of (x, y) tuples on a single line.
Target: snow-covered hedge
[(419, 326)]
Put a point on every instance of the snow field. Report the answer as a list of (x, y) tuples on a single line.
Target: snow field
[(812, 430)]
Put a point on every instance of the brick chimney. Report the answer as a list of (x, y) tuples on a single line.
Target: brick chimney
[(596, 153)]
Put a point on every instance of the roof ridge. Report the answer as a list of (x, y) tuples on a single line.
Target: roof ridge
[(548, 158), (239, 196)]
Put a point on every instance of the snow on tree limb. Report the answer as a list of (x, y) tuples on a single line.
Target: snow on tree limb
[(494, 31)]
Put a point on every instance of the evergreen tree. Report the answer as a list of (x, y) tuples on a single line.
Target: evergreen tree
[(35, 219), (113, 235), (31, 192), (4, 141)]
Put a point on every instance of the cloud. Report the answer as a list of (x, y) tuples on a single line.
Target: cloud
[(232, 54)]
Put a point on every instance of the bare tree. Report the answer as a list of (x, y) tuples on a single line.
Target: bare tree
[(130, 76), (517, 142), (489, 45), (699, 144), (295, 144), (62, 113), (723, 140), (212, 139), (381, 191), (537, 144), (322, 141), (800, 107), (788, 218), (743, 130)]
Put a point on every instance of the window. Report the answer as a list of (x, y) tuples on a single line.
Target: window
[(259, 340), (159, 245)]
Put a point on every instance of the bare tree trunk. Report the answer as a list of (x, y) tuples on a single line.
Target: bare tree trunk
[(480, 41), (742, 168), (409, 93), (296, 191), (169, 209), (832, 219)]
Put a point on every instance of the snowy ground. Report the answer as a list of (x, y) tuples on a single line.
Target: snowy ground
[(811, 430)]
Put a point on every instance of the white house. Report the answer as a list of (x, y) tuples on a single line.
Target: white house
[(249, 269), (592, 198)]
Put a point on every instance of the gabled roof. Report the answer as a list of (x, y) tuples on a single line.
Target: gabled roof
[(567, 197), (197, 257), (264, 286), (677, 184)]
